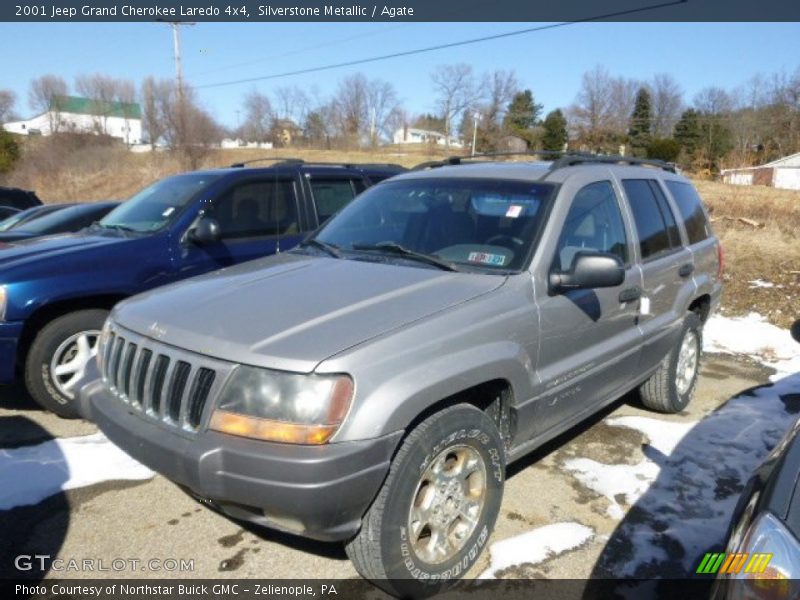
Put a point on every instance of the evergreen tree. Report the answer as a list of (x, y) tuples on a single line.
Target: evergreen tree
[(639, 131), (555, 131), (688, 132), (522, 114)]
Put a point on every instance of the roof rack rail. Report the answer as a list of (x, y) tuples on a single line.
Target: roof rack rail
[(280, 159), (572, 160), (457, 160)]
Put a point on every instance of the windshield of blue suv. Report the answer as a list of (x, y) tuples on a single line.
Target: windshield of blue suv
[(158, 204), (463, 224)]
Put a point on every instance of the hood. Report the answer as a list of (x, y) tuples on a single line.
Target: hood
[(24, 251), (294, 311)]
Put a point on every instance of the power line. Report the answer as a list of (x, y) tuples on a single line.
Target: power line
[(487, 38), (300, 50)]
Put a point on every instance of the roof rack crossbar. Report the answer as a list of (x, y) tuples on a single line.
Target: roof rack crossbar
[(239, 165)]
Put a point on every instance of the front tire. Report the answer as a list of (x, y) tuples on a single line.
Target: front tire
[(58, 358), (671, 387), (434, 514)]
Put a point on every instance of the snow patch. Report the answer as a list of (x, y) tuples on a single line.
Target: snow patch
[(30, 474), (753, 336), (760, 283), (536, 546), (686, 487)]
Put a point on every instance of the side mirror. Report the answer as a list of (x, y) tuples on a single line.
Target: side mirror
[(796, 330), (589, 270), (205, 232)]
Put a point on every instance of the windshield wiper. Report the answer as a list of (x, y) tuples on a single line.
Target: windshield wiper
[(331, 249), (395, 248), (115, 226)]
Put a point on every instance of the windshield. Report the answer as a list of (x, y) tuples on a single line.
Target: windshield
[(21, 217), (488, 224), (157, 205), (54, 220)]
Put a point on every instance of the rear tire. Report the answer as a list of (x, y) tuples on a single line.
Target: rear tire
[(671, 387), (434, 514), (58, 357)]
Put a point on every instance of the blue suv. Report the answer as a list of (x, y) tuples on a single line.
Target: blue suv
[(56, 292)]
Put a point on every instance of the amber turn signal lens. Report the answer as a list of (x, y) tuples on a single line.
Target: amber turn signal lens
[(268, 430)]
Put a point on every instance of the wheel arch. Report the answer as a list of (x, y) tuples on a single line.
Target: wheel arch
[(48, 312)]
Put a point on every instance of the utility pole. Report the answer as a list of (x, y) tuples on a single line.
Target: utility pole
[(176, 48), (475, 118)]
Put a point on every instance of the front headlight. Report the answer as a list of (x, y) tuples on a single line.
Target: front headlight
[(282, 407), (770, 562), (3, 301)]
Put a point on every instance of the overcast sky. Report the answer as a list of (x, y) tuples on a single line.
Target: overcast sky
[(548, 62)]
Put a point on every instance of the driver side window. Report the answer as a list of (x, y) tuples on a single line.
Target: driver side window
[(256, 209), (594, 223)]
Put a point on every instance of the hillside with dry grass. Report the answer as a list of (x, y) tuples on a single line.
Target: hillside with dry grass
[(757, 225)]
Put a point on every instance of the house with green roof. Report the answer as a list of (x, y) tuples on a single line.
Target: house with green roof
[(76, 114)]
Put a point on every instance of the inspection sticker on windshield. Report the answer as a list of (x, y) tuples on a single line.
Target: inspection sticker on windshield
[(497, 260), (168, 212), (514, 211)]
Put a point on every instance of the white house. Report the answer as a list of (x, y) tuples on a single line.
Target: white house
[(410, 135), (782, 173), (121, 120)]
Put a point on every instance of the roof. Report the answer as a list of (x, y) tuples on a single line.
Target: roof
[(88, 106), (791, 161)]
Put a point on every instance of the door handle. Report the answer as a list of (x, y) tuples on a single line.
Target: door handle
[(630, 294), (686, 270)]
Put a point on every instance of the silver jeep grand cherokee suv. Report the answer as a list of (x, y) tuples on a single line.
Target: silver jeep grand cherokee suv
[(373, 385)]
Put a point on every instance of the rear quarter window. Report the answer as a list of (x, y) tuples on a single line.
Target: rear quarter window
[(691, 208)]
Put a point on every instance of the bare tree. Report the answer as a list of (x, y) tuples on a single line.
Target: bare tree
[(623, 99), (455, 90), (103, 91), (591, 114), (258, 116), (291, 103), (667, 103), (156, 97), (381, 102), (44, 96), (350, 107), (7, 101)]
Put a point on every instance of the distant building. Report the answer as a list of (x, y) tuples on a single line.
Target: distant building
[(229, 144), (410, 135), (783, 173), (74, 114)]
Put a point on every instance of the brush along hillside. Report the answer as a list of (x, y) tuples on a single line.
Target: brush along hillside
[(757, 225)]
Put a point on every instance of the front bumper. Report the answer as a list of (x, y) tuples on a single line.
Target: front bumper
[(320, 492), (10, 334)]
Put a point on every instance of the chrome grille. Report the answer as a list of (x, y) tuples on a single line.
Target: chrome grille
[(166, 384)]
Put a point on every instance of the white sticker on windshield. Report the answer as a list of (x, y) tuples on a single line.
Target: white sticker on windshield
[(484, 258), (514, 211), (168, 212)]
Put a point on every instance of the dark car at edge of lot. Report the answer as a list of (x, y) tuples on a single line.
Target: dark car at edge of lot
[(67, 218)]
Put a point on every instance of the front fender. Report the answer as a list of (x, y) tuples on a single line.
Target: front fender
[(393, 403)]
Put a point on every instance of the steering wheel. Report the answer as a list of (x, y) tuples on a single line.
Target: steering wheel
[(505, 240)]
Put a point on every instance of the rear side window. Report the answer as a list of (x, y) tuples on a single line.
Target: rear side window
[(331, 195), (691, 209), (655, 224)]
